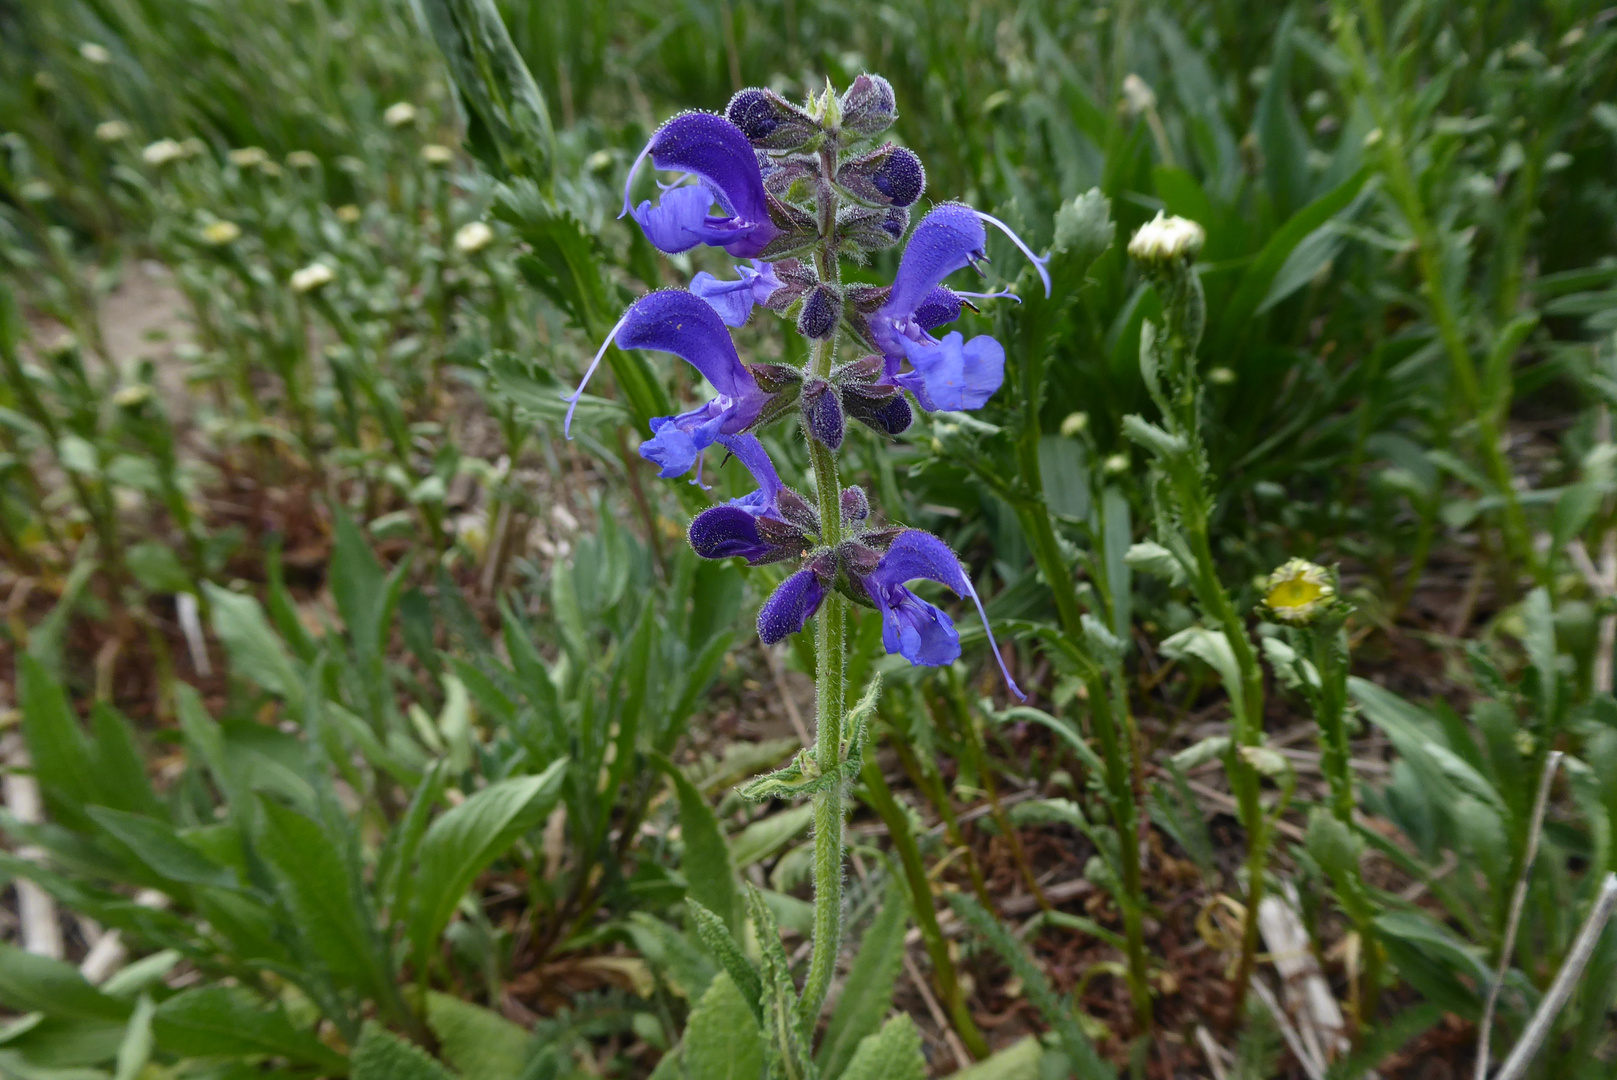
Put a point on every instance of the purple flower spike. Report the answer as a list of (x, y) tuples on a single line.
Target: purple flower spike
[(790, 607), (718, 155), (911, 627), (953, 374), (734, 300)]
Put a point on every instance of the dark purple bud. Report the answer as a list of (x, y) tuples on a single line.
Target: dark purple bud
[(855, 505), (872, 228), (868, 106), (721, 532), (822, 309), (770, 121), (798, 511), (887, 176), (822, 413), (790, 606), (882, 408)]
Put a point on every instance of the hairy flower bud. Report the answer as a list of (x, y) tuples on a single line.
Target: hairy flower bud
[(867, 228), (1164, 239), (822, 413), (880, 408), (855, 505), (869, 107), (822, 309), (887, 176), (769, 121)]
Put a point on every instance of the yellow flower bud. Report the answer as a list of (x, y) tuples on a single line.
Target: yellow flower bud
[(220, 233), (1298, 591)]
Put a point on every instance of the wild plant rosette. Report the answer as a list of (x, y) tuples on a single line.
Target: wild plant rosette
[(789, 192)]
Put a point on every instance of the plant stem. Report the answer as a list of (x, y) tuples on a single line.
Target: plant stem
[(830, 705)]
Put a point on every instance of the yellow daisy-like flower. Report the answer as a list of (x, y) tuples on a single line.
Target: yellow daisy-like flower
[(1298, 591)]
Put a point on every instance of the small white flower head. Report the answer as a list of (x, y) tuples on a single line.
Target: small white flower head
[(248, 156), (111, 131), (1372, 138), (1164, 239), (473, 237), (35, 191), (1298, 591), (1138, 97), (162, 152), (348, 213), (1074, 424), (437, 155), (96, 54), (399, 114), (220, 233), (1221, 376), (1116, 465), (311, 277), (302, 159)]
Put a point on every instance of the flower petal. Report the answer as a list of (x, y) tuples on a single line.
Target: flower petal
[(790, 607), (946, 240), (751, 453), (920, 632), (720, 532), (716, 152), (676, 321), (954, 374), (679, 220), (915, 555)]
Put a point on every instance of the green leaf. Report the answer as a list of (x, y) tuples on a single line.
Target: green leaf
[(314, 882), (1018, 1061), (227, 1021), (509, 122), (478, 1042), (537, 394), (722, 1039), (867, 995), (766, 836), (157, 568), (715, 934), (56, 746), (1086, 1064), (709, 876), (136, 1049), (381, 1055), (255, 651), (687, 971), (460, 845), (30, 983), (157, 845), (893, 1053)]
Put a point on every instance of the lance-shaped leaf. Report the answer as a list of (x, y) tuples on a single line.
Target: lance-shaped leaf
[(507, 121), (461, 844)]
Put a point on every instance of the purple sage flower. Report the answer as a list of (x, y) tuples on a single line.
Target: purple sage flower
[(734, 300), (949, 238), (717, 153), (921, 632), (678, 322)]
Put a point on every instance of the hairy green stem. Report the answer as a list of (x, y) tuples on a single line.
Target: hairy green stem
[(830, 706)]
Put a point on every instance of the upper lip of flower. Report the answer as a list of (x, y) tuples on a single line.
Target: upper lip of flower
[(717, 153)]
